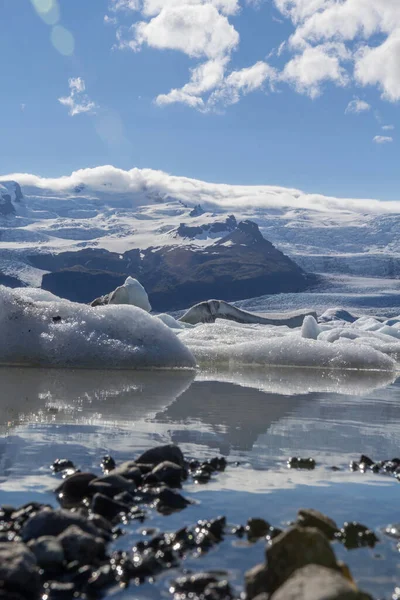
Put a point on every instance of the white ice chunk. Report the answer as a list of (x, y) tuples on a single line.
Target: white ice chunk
[(37, 294), (173, 323), (131, 292), (67, 334), (338, 314), (391, 331), (310, 329), (234, 344)]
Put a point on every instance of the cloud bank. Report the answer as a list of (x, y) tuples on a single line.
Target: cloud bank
[(145, 184)]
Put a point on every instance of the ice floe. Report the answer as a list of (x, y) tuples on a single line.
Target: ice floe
[(37, 328), (60, 333)]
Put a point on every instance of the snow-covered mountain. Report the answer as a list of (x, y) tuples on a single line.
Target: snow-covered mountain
[(107, 208)]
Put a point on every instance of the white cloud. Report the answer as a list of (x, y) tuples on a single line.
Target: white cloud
[(334, 41), (77, 101), (387, 127), (381, 66), (109, 179), (198, 31), (353, 23), (152, 8), (204, 78), (357, 106), (226, 90), (116, 5), (382, 139), (243, 82), (110, 20), (308, 71)]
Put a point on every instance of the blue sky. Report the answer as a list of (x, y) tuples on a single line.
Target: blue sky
[(300, 93)]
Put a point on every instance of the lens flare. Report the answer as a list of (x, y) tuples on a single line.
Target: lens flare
[(48, 10), (62, 40)]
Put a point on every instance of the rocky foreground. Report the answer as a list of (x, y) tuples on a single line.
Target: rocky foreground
[(67, 552)]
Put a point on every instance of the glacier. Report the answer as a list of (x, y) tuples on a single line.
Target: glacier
[(116, 210)]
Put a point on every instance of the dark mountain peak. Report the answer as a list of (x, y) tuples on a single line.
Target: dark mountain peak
[(215, 228), (10, 192), (246, 233), (197, 211)]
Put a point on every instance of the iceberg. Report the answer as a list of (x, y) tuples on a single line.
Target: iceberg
[(225, 344), (45, 332), (131, 292)]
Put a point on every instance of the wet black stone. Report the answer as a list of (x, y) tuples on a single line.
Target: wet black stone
[(100, 579), (6, 510), (202, 475), (193, 584), (218, 463), (257, 528), (108, 463), (366, 460), (159, 454), (355, 535), (56, 590), (218, 591), (53, 522), (296, 462), (108, 507), (62, 464), (215, 526), (111, 485), (167, 472), (74, 489), (57, 319), (168, 500)]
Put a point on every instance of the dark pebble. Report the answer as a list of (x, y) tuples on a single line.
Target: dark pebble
[(62, 464), (295, 462), (108, 507), (160, 454), (355, 535), (108, 463)]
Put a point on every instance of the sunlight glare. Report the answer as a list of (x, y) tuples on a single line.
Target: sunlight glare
[(62, 40), (48, 10)]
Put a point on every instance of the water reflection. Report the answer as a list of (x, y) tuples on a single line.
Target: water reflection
[(257, 417), (259, 414)]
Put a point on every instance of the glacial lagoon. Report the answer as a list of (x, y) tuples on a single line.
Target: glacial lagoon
[(256, 418)]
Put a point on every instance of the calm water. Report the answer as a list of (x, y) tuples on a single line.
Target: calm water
[(257, 418)]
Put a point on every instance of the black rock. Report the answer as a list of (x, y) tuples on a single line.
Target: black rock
[(111, 485), (130, 470), (108, 507), (160, 454), (169, 501), (308, 517), (192, 584), (58, 590), (53, 522), (74, 489), (296, 462), (354, 535), (257, 528), (62, 464), (19, 570), (81, 546), (108, 463), (167, 472)]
